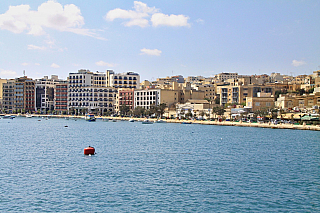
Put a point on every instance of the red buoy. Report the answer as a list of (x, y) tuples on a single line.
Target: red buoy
[(89, 151)]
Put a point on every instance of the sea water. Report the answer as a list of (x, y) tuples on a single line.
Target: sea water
[(160, 167)]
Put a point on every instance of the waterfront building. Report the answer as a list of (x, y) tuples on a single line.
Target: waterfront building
[(88, 92), (122, 80), (125, 97), (8, 96), (61, 98), (45, 89), (197, 108), (263, 101), (24, 95), (154, 97)]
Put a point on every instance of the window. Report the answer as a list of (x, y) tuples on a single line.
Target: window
[(257, 103)]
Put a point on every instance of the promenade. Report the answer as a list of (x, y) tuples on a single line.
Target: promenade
[(201, 122)]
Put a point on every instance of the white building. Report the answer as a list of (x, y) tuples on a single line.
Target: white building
[(146, 98), (88, 91), (122, 80)]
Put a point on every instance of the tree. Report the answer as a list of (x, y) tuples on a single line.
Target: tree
[(138, 111), (261, 113), (124, 109), (161, 109), (218, 110), (189, 113)]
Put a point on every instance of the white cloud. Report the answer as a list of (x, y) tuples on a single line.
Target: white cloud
[(140, 16), (298, 63), (24, 64), (34, 47), (37, 64), (53, 65), (50, 14), (200, 21), (154, 52), (8, 73), (103, 64), (172, 20)]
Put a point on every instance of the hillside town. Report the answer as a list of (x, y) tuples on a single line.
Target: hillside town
[(225, 96)]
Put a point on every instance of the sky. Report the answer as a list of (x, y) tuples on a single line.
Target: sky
[(159, 38)]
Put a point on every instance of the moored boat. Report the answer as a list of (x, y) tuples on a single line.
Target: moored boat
[(160, 121), (90, 117), (147, 122)]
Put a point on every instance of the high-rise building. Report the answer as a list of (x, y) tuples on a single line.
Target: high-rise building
[(24, 95)]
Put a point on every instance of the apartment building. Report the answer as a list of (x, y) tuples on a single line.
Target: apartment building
[(148, 97), (125, 97), (61, 98), (122, 80), (45, 89), (87, 92), (209, 90), (24, 94), (234, 93), (8, 96), (263, 101), (224, 76)]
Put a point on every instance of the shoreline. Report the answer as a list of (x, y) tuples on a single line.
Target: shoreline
[(223, 123)]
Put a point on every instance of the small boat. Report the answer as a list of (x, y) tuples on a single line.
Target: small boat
[(8, 117), (131, 120), (185, 122), (160, 121), (28, 116), (147, 122), (90, 117)]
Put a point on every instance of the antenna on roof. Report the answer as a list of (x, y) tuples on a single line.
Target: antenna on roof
[(24, 73)]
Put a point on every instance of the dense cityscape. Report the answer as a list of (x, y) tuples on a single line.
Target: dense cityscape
[(225, 96)]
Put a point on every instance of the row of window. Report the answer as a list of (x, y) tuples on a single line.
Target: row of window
[(125, 78), (146, 93)]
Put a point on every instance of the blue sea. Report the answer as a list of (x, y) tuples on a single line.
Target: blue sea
[(157, 167)]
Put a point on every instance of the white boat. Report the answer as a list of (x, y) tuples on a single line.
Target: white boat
[(90, 117), (8, 117), (131, 120), (28, 116), (147, 122)]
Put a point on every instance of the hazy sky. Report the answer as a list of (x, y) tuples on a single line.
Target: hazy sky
[(159, 38)]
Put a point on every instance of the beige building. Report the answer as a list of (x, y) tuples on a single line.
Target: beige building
[(263, 101), (224, 76), (2, 81), (208, 89), (307, 101), (285, 101), (234, 93), (196, 107)]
